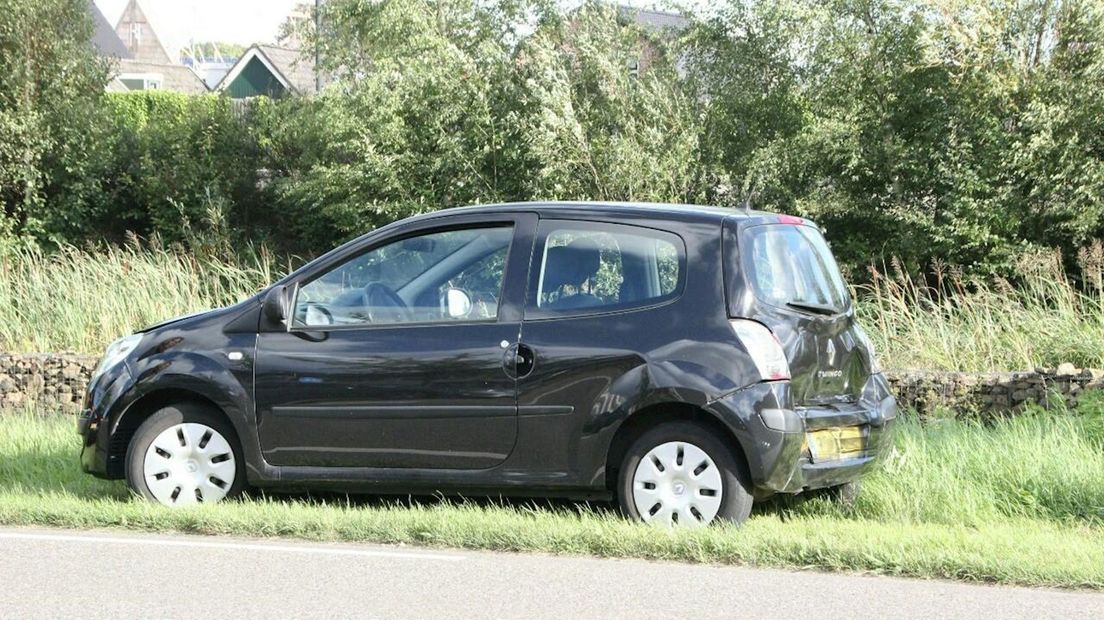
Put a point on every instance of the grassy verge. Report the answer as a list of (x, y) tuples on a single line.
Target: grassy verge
[(1020, 502)]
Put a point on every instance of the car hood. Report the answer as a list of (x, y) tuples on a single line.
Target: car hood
[(176, 319)]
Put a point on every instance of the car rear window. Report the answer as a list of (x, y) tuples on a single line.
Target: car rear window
[(793, 265)]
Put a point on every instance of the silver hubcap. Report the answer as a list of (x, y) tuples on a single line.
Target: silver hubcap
[(677, 484), (189, 464)]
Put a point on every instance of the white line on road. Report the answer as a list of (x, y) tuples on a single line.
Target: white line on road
[(236, 546)]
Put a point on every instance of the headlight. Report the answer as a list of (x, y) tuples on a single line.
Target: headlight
[(115, 353)]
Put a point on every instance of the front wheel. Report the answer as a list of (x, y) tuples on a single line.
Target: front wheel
[(183, 455), (679, 474)]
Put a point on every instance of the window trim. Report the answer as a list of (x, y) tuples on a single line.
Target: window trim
[(547, 226), (400, 236)]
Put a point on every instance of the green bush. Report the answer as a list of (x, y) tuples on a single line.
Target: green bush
[(907, 128), (179, 165), (51, 85)]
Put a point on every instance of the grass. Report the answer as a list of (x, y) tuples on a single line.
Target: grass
[(80, 300), (1040, 318), (1018, 502), (74, 300)]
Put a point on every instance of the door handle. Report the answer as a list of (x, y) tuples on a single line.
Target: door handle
[(526, 359), (518, 360)]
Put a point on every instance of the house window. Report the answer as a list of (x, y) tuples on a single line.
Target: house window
[(141, 81), (136, 34)]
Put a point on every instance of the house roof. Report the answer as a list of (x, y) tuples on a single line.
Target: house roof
[(103, 35), (286, 64), (654, 21), (291, 63), (176, 78)]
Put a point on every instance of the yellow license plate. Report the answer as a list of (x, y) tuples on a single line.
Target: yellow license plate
[(834, 444)]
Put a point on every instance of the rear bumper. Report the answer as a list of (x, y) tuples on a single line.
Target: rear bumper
[(772, 434)]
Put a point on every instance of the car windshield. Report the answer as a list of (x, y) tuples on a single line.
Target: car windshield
[(793, 266)]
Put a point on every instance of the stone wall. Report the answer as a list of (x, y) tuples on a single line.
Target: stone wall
[(992, 392), (57, 380)]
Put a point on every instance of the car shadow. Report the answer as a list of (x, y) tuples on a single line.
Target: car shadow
[(395, 500)]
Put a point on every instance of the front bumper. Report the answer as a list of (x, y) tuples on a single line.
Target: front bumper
[(773, 435), (94, 421)]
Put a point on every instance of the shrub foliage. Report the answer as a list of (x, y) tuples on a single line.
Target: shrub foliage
[(924, 129)]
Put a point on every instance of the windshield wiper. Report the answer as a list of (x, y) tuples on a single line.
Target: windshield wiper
[(814, 308)]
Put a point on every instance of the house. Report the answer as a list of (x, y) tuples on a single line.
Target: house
[(656, 25), (270, 70), (135, 31), (143, 61), (106, 42)]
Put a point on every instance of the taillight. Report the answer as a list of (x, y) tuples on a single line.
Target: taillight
[(764, 348)]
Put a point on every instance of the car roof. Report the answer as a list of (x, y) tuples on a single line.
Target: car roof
[(656, 210), (581, 210)]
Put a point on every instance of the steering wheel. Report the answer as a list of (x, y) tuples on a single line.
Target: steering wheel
[(381, 304), (484, 305)]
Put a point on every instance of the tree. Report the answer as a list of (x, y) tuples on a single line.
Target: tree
[(418, 119), (51, 81), (922, 129), (593, 129)]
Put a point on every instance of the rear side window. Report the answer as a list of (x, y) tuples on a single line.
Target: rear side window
[(793, 265), (597, 267)]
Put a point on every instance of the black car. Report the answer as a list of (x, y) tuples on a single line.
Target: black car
[(684, 360)]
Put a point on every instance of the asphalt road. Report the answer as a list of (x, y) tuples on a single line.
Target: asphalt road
[(54, 573)]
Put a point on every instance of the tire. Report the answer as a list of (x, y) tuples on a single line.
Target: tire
[(707, 483), (183, 455), (845, 494)]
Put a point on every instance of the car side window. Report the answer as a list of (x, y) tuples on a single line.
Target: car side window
[(453, 275), (595, 267)]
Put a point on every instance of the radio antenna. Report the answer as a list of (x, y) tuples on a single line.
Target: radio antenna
[(747, 201)]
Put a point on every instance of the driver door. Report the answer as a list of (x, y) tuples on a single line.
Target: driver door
[(395, 356)]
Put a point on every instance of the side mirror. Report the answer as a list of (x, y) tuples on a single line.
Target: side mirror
[(276, 305), (457, 303)]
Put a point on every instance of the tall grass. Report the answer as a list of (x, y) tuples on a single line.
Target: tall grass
[(80, 300), (1038, 317), (1020, 501), (76, 300)]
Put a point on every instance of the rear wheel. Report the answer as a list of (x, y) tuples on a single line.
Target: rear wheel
[(183, 455), (845, 494), (679, 474)]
